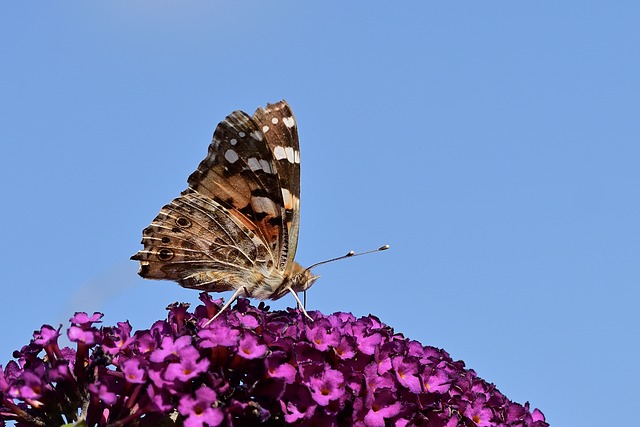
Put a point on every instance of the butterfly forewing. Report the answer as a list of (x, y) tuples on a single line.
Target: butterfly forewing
[(278, 124), (239, 173)]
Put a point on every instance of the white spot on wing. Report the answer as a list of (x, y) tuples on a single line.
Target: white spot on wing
[(233, 141), (274, 120), (231, 156), (279, 153), (257, 135), (289, 122), (297, 157), (287, 198), (266, 166), (290, 154), (265, 128), (254, 164), (259, 165), (241, 134)]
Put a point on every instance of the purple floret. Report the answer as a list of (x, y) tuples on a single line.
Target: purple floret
[(249, 366)]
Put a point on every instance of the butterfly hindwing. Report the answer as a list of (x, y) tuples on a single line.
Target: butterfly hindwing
[(195, 242)]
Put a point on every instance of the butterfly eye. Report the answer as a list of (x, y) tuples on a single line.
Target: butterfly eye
[(183, 222), (165, 254)]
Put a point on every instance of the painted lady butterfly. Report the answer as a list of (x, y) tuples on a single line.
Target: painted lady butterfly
[(236, 226)]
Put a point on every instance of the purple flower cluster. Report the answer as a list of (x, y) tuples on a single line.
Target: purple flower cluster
[(249, 366)]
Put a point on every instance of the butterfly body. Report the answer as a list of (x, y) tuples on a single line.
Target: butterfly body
[(236, 226)]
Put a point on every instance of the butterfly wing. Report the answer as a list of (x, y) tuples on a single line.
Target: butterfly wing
[(196, 242), (278, 124), (240, 174), (234, 225)]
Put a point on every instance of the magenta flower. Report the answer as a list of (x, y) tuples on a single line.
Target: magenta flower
[(84, 320), (46, 336), (249, 348), (29, 386), (199, 411), (384, 406), (117, 339), (375, 380), (188, 367), (104, 393), (297, 404), (435, 380), (346, 348), (145, 343), (171, 348), (479, 413), (327, 386), (219, 334), (277, 367), (367, 342), (132, 370), (249, 367), (322, 335), (77, 334), (406, 370)]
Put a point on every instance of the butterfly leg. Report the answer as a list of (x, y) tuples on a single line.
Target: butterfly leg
[(300, 306), (235, 296)]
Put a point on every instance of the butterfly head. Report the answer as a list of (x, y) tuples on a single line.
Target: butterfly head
[(301, 278)]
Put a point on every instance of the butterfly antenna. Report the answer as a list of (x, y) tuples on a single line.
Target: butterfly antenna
[(350, 254)]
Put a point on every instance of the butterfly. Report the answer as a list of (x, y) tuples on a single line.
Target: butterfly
[(235, 228)]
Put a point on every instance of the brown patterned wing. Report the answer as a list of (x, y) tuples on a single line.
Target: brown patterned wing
[(196, 242), (279, 127), (240, 174)]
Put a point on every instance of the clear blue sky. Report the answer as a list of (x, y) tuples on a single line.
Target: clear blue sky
[(495, 146)]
